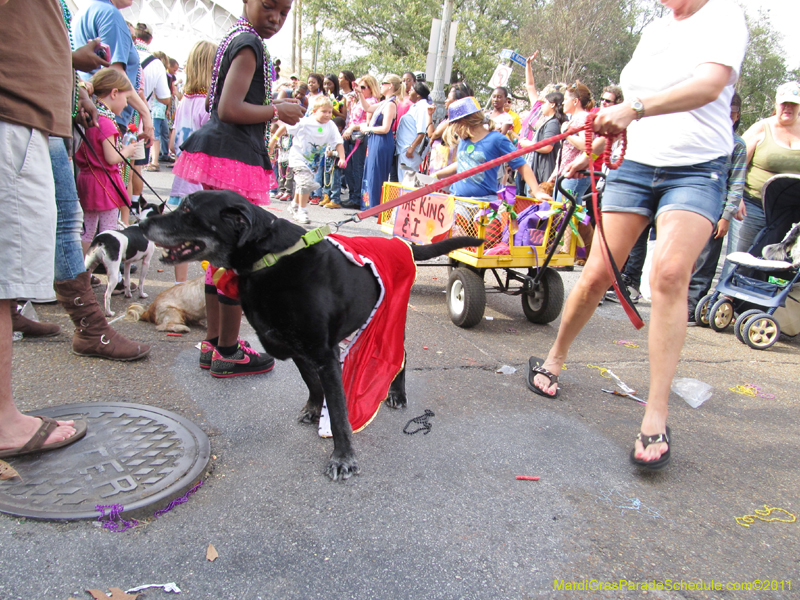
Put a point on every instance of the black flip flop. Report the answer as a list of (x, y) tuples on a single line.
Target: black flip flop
[(658, 464), (535, 368)]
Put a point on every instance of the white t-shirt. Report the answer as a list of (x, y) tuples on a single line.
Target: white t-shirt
[(668, 53), (309, 141), (154, 80)]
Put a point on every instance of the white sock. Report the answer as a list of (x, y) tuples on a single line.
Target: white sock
[(135, 199)]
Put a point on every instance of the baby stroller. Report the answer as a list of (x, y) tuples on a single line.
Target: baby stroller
[(753, 289)]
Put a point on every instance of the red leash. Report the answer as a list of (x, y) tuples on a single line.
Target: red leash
[(611, 267), (437, 185)]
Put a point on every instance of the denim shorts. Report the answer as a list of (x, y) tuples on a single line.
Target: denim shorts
[(649, 191)]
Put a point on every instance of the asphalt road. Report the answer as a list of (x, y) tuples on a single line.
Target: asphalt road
[(437, 515)]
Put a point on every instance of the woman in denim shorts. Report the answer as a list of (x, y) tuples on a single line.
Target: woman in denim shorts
[(680, 80)]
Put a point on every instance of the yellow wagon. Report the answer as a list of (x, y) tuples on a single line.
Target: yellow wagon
[(524, 270)]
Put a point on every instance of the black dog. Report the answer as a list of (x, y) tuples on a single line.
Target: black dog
[(301, 307)]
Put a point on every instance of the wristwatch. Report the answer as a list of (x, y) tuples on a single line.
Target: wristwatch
[(637, 106)]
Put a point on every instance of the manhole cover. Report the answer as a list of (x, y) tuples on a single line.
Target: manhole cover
[(134, 455)]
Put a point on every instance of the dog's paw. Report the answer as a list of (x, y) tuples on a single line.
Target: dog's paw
[(309, 415), (110, 313), (342, 467), (142, 294), (396, 400)]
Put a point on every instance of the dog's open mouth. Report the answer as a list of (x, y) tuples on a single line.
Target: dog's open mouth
[(182, 253)]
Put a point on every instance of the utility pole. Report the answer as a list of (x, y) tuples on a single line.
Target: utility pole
[(299, 39), (441, 60), (294, 40)]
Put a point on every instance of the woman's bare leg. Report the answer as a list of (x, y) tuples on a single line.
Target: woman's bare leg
[(622, 231), (681, 236)]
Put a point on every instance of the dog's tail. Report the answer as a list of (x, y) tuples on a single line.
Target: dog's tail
[(94, 256), (138, 312), (428, 251)]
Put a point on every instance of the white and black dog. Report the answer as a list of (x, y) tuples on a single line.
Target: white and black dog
[(787, 249), (114, 248)]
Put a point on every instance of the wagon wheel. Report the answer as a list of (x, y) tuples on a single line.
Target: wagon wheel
[(761, 331), (466, 297), (738, 326), (701, 311), (721, 314), (543, 305)]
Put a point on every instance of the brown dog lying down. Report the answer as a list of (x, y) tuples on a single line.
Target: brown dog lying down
[(175, 308)]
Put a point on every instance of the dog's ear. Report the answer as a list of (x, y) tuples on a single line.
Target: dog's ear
[(240, 219)]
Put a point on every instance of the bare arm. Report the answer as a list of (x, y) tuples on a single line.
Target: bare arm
[(530, 84), (704, 86), (530, 179), (753, 137), (447, 171), (110, 153), (389, 112)]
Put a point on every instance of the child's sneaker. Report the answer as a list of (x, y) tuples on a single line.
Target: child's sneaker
[(206, 351), (245, 361), (293, 209), (301, 216)]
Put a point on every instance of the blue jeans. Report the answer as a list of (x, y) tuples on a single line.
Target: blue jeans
[(162, 132), (649, 191), (576, 187), (69, 226), (334, 188), (747, 231), (354, 173)]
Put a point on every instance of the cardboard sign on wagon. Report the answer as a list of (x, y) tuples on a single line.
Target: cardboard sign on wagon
[(423, 219)]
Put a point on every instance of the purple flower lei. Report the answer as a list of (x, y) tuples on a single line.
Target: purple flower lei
[(241, 26)]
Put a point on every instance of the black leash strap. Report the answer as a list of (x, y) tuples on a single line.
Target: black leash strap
[(422, 421)]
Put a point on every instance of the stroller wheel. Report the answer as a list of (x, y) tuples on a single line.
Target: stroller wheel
[(721, 314), (701, 310), (761, 331), (738, 326)]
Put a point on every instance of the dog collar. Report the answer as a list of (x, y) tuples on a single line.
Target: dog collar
[(309, 239)]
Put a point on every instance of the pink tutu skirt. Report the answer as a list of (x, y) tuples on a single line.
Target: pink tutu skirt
[(252, 182)]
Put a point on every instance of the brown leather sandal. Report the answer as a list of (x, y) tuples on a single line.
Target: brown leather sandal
[(37, 441)]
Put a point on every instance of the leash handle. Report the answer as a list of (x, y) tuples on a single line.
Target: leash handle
[(347, 158)]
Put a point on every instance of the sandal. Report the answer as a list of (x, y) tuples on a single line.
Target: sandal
[(535, 368), (152, 168), (37, 441), (659, 463)]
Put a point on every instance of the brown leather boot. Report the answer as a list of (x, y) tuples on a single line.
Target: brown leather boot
[(31, 328), (93, 335)]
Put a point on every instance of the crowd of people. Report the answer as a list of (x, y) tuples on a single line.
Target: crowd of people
[(234, 124)]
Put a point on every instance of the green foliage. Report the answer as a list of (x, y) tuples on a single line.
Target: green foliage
[(586, 40), (763, 70)]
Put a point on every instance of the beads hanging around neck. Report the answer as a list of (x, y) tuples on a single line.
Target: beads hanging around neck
[(241, 26), (67, 15), (103, 110)]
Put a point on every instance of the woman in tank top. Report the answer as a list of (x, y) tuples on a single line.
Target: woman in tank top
[(773, 148)]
